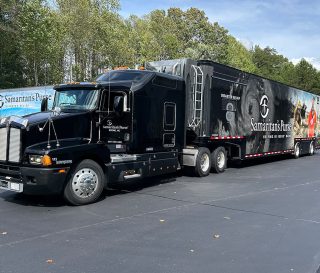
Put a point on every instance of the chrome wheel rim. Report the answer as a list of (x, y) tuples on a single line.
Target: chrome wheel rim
[(221, 160), (205, 162), (311, 148), (84, 183)]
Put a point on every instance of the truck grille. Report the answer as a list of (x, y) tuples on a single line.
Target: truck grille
[(13, 147), (3, 144)]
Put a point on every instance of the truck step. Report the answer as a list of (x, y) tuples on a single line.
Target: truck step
[(132, 176)]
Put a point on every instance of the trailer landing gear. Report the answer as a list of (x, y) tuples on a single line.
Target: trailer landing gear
[(219, 160)]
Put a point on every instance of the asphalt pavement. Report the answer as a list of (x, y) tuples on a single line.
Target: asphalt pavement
[(263, 217)]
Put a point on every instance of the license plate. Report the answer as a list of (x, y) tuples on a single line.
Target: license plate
[(11, 186), (16, 186)]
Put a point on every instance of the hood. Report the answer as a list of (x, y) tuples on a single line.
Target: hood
[(67, 126), (42, 117)]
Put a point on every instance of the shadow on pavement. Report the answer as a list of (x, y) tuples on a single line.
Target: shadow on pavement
[(33, 200), (133, 186)]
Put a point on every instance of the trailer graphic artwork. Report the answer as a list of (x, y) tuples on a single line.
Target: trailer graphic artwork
[(268, 114), (305, 111)]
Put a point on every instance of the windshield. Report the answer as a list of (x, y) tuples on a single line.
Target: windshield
[(76, 99)]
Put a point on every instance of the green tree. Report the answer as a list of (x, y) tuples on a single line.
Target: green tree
[(49, 41), (39, 43), (288, 74), (305, 75), (269, 63), (238, 56), (11, 74), (199, 38), (316, 88), (85, 23)]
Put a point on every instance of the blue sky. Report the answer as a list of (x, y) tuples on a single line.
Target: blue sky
[(292, 27)]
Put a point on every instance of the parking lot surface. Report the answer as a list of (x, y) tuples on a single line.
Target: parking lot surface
[(257, 218)]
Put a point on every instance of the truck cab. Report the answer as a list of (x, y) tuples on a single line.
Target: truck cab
[(128, 124)]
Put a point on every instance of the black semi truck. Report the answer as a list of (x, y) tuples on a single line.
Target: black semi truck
[(133, 124)]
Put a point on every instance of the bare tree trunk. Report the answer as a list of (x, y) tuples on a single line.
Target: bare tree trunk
[(35, 69), (35, 72)]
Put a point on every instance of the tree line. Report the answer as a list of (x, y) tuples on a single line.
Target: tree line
[(45, 42)]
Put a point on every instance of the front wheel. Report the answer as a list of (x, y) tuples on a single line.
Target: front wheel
[(85, 183), (219, 160)]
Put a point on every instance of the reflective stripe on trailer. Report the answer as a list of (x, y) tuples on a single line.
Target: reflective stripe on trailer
[(225, 137), (269, 153), (305, 138)]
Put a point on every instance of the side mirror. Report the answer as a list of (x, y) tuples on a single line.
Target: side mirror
[(44, 104), (118, 104), (56, 111)]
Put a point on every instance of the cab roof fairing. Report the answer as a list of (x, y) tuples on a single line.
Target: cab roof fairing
[(82, 85), (132, 85)]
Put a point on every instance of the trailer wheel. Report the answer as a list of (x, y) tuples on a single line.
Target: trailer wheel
[(85, 183), (219, 160), (203, 162), (297, 150), (311, 148)]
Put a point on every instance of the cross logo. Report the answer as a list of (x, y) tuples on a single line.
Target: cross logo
[(264, 106)]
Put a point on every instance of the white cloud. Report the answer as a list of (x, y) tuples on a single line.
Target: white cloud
[(314, 61), (246, 42)]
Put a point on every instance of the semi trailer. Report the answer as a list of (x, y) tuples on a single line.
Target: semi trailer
[(133, 124)]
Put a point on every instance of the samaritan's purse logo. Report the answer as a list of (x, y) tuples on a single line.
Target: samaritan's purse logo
[(1, 101), (268, 125), (264, 106)]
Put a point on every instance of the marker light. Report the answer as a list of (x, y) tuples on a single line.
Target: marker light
[(46, 160)]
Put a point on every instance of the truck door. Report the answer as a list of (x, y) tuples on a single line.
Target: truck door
[(169, 125), (116, 119)]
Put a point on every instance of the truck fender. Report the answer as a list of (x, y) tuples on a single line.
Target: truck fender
[(189, 157)]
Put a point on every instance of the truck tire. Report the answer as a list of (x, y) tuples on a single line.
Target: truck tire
[(296, 152), (85, 183), (311, 148), (219, 160), (203, 162)]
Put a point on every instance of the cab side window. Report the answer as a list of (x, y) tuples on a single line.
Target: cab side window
[(108, 100), (169, 119)]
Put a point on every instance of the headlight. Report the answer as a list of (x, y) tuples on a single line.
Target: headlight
[(35, 159), (44, 160)]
